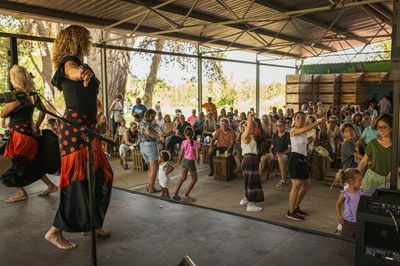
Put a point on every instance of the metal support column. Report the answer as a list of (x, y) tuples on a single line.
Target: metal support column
[(200, 81), (258, 86), (395, 77), (13, 56), (104, 75)]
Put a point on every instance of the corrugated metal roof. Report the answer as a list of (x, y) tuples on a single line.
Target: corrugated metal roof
[(284, 28)]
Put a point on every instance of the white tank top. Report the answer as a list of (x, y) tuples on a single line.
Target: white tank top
[(299, 144), (250, 148)]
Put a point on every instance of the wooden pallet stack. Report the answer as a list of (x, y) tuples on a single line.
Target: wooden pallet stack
[(329, 89), (376, 77), (353, 89), (299, 90)]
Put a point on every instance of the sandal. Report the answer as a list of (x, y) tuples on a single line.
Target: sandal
[(189, 199), (176, 197), (153, 191)]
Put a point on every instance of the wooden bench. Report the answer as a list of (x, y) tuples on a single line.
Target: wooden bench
[(138, 161), (319, 166), (205, 155), (223, 168)]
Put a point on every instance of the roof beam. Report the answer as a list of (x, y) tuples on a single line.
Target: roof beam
[(32, 11), (179, 10), (309, 19), (380, 12)]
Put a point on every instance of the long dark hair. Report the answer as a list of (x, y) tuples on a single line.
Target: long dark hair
[(189, 132)]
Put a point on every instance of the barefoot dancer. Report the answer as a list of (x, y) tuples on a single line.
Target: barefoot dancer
[(80, 89), (22, 147)]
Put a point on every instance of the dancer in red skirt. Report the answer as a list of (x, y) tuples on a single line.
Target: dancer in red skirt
[(22, 146), (80, 88)]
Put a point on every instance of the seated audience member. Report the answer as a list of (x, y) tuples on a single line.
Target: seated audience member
[(159, 119), (320, 110), (167, 127), (225, 138), (192, 118), (350, 153), (242, 117), (311, 134), (232, 124), (129, 143), (222, 114), (288, 123), (237, 148), (279, 150), (280, 113), (324, 138), (137, 119), (208, 128), (236, 117), (258, 135), (179, 135), (368, 134), (198, 124)]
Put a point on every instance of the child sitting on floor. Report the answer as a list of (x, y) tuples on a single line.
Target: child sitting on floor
[(349, 197), (164, 169)]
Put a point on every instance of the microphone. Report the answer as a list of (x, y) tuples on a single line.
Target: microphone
[(10, 96)]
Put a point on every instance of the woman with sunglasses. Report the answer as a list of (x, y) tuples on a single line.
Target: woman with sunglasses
[(379, 151)]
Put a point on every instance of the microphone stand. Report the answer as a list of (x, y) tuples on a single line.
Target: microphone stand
[(89, 136)]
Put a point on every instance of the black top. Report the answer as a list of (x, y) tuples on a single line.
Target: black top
[(181, 127), (281, 144), (22, 113), (77, 97)]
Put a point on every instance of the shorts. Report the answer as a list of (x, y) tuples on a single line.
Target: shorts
[(149, 151), (299, 166), (189, 164)]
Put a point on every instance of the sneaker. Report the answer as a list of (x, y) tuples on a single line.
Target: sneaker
[(300, 212), (243, 202), (253, 208), (294, 216), (281, 184)]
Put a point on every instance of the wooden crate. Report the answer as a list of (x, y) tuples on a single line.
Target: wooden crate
[(330, 177), (305, 78), (352, 77), (223, 168), (333, 99), (329, 78), (299, 88), (298, 98), (319, 165), (328, 88), (138, 161), (353, 88), (205, 155), (376, 77)]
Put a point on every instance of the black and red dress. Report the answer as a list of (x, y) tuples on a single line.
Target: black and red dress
[(81, 108), (22, 148)]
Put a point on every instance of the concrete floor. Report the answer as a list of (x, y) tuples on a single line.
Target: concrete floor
[(221, 195), (150, 231), (214, 230)]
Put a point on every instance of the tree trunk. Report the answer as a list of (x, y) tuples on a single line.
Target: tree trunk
[(117, 66), (152, 77), (47, 70)]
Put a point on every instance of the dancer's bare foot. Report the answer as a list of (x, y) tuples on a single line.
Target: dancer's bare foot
[(51, 189), (99, 232), (17, 197), (54, 236)]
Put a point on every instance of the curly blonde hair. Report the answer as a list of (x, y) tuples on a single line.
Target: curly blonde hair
[(21, 79), (72, 41)]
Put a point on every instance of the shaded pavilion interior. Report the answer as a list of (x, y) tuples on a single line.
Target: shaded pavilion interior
[(281, 29)]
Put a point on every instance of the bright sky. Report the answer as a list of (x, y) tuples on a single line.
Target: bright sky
[(239, 72)]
